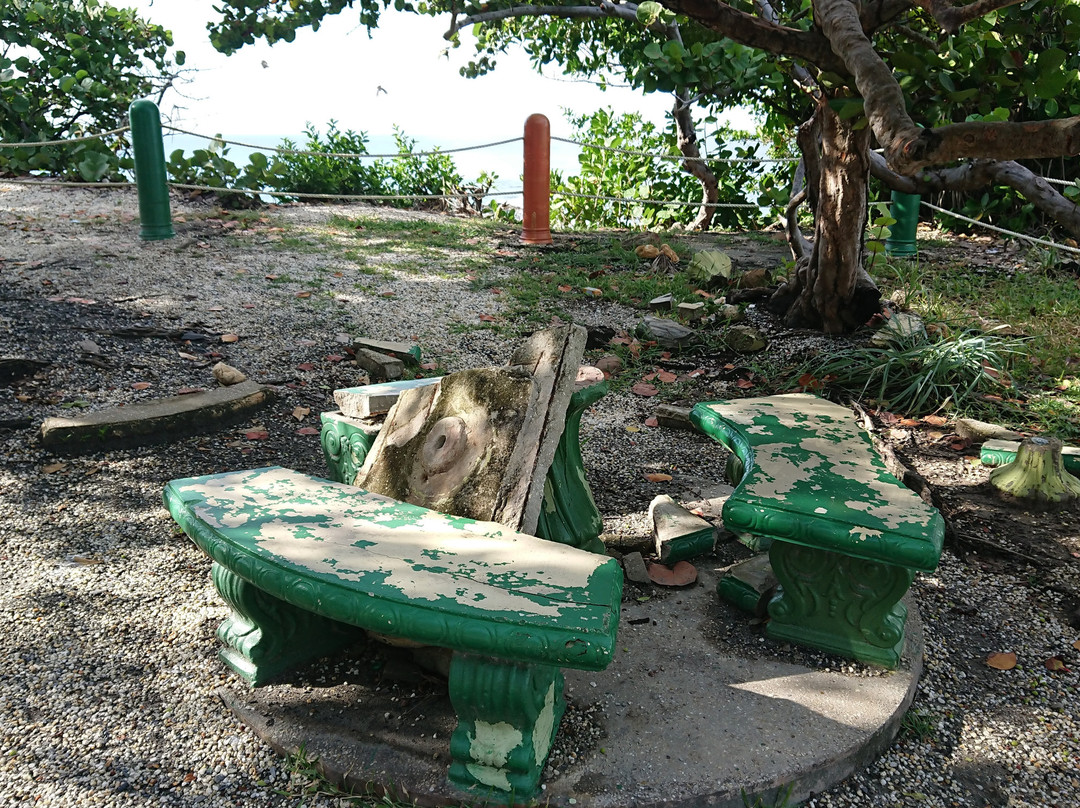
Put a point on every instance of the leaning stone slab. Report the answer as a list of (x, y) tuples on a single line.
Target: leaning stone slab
[(679, 534), (156, 421)]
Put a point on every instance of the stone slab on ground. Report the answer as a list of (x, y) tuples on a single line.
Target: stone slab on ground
[(382, 367), (375, 399), (406, 352), (684, 725), (156, 421)]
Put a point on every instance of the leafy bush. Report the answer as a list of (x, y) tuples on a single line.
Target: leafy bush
[(69, 68), (640, 177), (315, 170)]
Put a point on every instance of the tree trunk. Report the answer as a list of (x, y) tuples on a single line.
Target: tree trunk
[(686, 139), (830, 289)]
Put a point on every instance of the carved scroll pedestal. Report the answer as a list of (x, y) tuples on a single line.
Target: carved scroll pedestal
[(843, 605), (265, 636)]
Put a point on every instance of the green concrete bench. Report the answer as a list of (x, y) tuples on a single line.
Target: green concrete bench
[(846, 536), (299, 559), (569, 514)]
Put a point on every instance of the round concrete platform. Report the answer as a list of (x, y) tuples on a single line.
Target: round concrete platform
[(683, 724)]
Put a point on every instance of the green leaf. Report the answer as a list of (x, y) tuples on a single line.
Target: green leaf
[(94, 166), (652, 50)]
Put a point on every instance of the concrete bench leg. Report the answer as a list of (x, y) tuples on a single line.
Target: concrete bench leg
[(345, 446), (843, 605), (266, 636), (508, 714)]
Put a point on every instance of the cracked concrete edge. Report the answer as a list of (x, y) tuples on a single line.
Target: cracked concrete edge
[(156, 421)]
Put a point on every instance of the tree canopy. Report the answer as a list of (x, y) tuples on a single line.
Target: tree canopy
[(73, 67)]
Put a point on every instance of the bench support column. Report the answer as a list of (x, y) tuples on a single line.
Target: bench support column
[(266, 636), (843, 605), (508, 714)]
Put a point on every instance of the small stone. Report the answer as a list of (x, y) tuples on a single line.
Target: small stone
[(634, 567), (730, 312), (666, 332), (745, 339), (227, 375), (609, 364), (662, 303), (691, 311)]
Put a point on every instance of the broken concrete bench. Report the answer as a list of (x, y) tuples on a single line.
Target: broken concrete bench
[(845, 537), (569, 514), (299, 559), (996, 452)]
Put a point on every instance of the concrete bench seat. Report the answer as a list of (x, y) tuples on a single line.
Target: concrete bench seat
[(299, 559), (845, 537)]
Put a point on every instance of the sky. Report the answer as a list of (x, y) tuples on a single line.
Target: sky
[(337, 72)]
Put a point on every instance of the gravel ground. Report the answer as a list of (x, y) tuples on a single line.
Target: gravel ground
[(109, 668)]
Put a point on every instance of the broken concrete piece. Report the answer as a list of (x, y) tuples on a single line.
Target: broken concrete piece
[(749, 585), (1036, 478), (382, 367), (155, 421), (368, 400), (679, 534), (634, 567), (691, 311), (662, 303), (227, 375), (409, 354), (682, 574)]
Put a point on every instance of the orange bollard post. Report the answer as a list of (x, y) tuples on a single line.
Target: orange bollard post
[(536, 217)]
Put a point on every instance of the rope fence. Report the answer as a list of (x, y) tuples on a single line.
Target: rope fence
[(464, 193)]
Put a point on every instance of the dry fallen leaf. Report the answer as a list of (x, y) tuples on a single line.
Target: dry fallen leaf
[(52, 468), (1076, 645), (140, 385), (935, 420), (183, 355), (229, 338), (644, 389), (657, 477), (299, 413), (1002, 661), (256, 434), (651, 421), (1056, 663), (744, 384), (307, 430), (305, 366), (666, 376)]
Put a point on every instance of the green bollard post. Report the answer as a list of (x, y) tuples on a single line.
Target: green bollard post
[(154, 213), (905, 209)]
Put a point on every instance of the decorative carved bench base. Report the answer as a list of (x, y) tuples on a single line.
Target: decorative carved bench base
[(843, 605)]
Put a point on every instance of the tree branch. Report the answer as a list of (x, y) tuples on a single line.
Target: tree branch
[(978, 174), (606, 9), (951, 17), (754, 32)]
